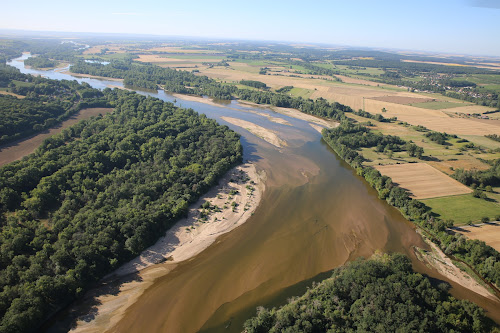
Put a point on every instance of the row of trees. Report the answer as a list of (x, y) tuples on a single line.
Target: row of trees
[(483, 178), (46, 103), (97, 194), (485, 260), (344, 139), (149, 76), (382, 295), (255, 84)]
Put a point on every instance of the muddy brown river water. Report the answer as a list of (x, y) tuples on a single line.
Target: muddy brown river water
[(315, 215)]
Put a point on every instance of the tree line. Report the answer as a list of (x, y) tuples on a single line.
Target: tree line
[(383, 294), (149, 76), (348, 137), (345, 140), (46, 103), (96, 195)]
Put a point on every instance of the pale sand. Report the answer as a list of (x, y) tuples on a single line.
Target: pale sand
[(439, 261), (262, 132), (183, 241), (317, 127), (294, 113), (271, 118), (193, 98), (191, 235)]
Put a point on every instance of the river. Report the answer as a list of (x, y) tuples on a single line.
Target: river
[(316, 214)]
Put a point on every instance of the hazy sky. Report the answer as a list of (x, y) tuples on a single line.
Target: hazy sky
[(455, 26)]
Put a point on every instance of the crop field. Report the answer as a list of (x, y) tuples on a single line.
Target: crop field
[(403, 99), (433, 119), (488, 233), (437, 105), (422, 180), (359, 95)]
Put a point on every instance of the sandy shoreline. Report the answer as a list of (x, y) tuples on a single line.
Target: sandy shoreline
[(286, 111), (242, 185), (441, 263), (191, 235)]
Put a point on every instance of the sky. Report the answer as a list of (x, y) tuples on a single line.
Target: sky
[(445, 26)]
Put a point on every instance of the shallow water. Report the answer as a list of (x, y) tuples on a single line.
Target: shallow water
[(315, 215)]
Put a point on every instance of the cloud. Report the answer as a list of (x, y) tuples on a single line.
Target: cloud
[(485, 3)]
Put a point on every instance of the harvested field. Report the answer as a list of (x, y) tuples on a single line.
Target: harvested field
[(470, 108), (352, 95), (16, 150), (488, 233), (403, 99), (347, 79), (159, 58), (422, 180), (435, 120)]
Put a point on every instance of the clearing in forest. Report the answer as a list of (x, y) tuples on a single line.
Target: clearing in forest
[(422, 180)]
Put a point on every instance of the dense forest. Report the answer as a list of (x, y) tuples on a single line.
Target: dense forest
[(45, 104), (40, 62), (378, 295), (348, 137), (97, 194), (255, 84), (149, 76), (345, 140)]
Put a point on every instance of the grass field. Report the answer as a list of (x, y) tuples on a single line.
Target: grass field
[(464, 208), (437, 105), (444, 158), (422, 180), (301, 92)]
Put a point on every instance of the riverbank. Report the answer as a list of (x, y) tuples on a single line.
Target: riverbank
[(445, 266), (242, 185), (294, 113)]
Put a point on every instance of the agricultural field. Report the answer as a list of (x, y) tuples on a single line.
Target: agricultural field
[(444, 158), (438, 105), (465, 208), (488, 233), (422, 180)]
